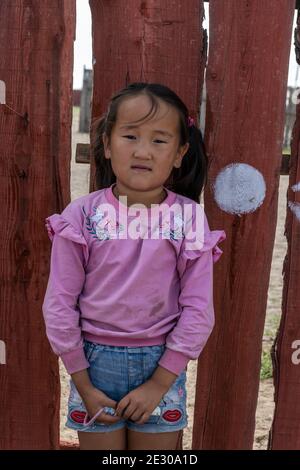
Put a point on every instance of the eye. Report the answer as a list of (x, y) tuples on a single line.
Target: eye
[(161, 141), (129, 136)]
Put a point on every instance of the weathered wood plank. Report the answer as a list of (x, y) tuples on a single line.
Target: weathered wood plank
[(246, 91), (297, 3), (285, 431), (36, 64)]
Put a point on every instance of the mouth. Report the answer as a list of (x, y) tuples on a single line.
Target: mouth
[(140, 168)]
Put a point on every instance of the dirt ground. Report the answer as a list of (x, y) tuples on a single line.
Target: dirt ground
[(265, 408)]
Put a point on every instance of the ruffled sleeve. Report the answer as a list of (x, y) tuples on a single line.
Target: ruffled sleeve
[(211, 240), (69, 253), (57, 224), (206, 241)]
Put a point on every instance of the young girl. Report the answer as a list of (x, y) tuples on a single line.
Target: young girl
[(129, 299)]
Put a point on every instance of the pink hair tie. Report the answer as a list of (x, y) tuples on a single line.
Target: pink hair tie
[(91, 421), (191, 121), (106, 409)]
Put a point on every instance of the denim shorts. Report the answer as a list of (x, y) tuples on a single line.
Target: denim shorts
[(116, 370)]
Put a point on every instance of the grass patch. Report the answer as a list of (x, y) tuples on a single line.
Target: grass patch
[(271, 327), (266, 369)]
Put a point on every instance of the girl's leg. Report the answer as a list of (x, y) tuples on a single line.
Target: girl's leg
[(152, 441), (114, 440)]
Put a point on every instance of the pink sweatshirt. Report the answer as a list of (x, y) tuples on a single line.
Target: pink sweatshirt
[(110, 288)]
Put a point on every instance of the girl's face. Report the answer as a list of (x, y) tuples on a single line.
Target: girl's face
[(153, 144)]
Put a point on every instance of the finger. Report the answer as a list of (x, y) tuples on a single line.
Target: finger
[(128, 411), (144, 418), (137, 415), (107, 418), (123, 413), (121, 406), (111, 403)]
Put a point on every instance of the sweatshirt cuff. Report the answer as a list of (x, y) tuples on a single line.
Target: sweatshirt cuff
[(174, 361), (74, 361)]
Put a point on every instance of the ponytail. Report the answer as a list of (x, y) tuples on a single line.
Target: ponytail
[(191, 177)]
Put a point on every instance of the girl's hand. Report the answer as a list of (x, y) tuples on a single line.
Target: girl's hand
[(93, 400), (140, 402)]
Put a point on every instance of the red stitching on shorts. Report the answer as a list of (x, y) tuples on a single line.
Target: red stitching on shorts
[(78, 416), (172, 415)]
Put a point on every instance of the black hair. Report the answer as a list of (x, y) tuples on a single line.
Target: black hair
[(191, 177)]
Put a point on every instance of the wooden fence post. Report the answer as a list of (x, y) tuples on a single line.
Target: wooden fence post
[(85, 101), (249, 45), (285, 431), (36, 64)]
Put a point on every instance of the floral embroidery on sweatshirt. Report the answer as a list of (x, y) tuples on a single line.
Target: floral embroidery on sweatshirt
[(101, 227), (167, 231)]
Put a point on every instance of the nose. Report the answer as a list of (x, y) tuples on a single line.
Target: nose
[(142, 151)]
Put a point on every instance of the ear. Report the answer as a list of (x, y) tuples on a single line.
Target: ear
[(180, 155), (106, 146)]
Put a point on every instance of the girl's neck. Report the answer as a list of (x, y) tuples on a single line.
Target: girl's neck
[(138, 197)]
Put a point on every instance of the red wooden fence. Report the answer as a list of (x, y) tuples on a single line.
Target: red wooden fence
[(152, 41), (36, 60)]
